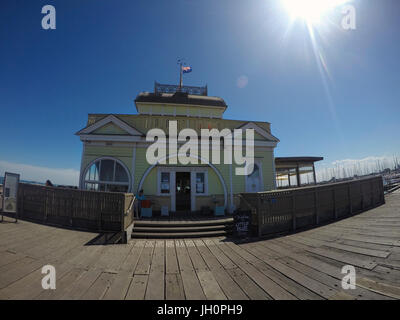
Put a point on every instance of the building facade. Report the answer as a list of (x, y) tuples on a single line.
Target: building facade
[(115, 147)]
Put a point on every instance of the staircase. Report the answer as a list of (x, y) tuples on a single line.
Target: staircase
[(173, 229)]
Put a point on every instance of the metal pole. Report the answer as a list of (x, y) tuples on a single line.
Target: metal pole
[(298, 176), (180, 75), (315, 177)]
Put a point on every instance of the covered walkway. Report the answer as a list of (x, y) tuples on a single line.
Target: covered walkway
[(295, 171)]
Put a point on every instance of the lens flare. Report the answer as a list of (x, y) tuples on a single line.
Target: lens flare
[(310, 10)]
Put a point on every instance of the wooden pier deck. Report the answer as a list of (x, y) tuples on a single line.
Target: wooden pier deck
[(306, 265)]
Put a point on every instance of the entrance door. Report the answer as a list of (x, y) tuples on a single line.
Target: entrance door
[(253, 181), (183, 191)]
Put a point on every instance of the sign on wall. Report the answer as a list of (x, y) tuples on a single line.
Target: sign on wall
[(10, 193)]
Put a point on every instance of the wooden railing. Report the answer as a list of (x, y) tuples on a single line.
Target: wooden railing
[(77, 209), (287, 210), (1, 197), (129, 214)]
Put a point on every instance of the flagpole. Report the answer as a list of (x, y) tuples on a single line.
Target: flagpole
[(180, 75)]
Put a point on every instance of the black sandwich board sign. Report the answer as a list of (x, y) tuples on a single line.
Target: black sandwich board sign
[(242, 221)]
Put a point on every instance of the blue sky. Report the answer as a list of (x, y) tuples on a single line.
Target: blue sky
[(103, 53)]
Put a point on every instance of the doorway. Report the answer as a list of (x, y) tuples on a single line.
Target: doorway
[(183, 191), (253, 181)]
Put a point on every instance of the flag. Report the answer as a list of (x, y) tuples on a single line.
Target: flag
[(186, 69)]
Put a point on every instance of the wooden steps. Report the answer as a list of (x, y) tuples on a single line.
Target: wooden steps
[(173, 229)]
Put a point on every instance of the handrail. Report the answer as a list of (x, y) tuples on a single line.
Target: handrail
[(393, 189), (130, 205)]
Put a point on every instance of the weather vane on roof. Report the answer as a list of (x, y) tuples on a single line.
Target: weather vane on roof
[(182, 69)]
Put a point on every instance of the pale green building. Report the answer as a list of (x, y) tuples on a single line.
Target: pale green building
[(115, 146)]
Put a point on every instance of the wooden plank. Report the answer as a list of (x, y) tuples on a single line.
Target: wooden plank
[(307, 282), (171, 261), (20, 288), (230, 288), (119, 287), (371, 239), (24, 234), (81, 285), (340, 295), (296, 289), (381, 288), (156, 283), (34, 288), (329, 274), (185, 264), (210, 286), (7, 257), (252, 290), (318, 243), (17, 270), (174, 287), (87, 256), (130, 263), (347, 258), (358, 293), (143, 265), (137, 288), (364, 251), (112, 257), (197, 260), (191, 284), (61, 285), (268, 285), (98, 289), (219, 254), (374, 246)]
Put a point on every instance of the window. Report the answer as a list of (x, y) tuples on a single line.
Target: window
[(165, 182), (107, 175), (200, 182)]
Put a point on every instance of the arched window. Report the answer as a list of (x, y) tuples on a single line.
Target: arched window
[(107, 174)]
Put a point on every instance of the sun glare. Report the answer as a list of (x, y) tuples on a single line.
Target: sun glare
[(310, 11)]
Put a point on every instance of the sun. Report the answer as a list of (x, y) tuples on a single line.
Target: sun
[(310, 11)]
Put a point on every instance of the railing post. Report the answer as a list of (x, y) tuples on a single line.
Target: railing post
[(70, 207), (316, 203), (124, 212), (100, 213), (294, 210), (350, 199), (362, 196), (334, 202), (46, 204), (21, 208), (259, 218)]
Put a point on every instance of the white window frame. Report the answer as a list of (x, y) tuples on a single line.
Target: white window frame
[(205, 193), (84, 181), (172, 177)]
